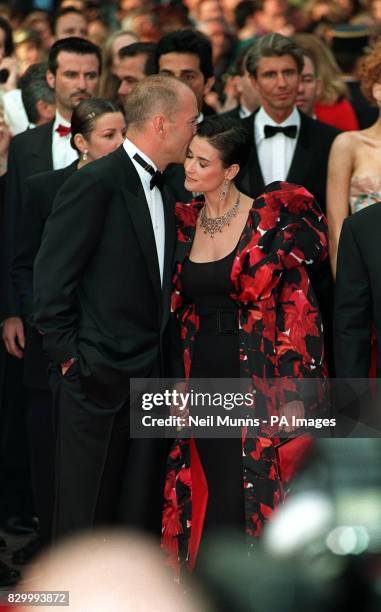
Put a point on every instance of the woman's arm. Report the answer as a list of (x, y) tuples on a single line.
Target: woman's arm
[(340, 170)]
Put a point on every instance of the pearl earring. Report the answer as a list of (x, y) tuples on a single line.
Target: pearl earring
[(225, 190), (84, 156)]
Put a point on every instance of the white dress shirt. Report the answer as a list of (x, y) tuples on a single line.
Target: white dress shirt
[(275, 154), (154, 201), (244, 112), (62, 152)]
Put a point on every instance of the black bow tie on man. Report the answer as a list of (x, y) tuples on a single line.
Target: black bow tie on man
[(157, 179), (288, 130)]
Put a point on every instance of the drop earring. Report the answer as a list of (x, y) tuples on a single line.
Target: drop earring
[(225, 190), (84, 156)]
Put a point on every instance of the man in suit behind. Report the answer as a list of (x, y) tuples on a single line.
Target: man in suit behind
[(74, 68), (248, 99), (287, 145), (102, 304)]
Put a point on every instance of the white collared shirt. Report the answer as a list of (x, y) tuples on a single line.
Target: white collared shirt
[(154, 200), (62, 152), (244, 112), (275, 154)]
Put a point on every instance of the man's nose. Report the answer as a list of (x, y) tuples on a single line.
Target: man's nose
[(81, 81), (123, 89), (281, 80)]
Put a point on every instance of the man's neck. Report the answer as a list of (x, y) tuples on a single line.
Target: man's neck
[(279, 115), (144, 143), (64, 112)]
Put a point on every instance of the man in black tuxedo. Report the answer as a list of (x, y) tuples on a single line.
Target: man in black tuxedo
[(286, 144), (74, 67), (102, 291)]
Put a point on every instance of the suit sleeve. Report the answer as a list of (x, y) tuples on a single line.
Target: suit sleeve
[(353, 312), (12, 211), (27, 245), (69, 240)]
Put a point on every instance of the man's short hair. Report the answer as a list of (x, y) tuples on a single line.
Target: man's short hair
[(73, 44), (187, 41), (34, 87), (273, 45), (154, 94), (141, 48)]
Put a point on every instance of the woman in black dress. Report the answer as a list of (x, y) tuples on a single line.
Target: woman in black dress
[(245, 307)]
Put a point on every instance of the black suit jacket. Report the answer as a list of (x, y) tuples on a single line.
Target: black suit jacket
[(97, 283), (358, 294), (308, 166), (41, 190), (232, 114), (29, 153)]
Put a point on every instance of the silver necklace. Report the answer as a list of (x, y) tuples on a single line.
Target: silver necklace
[(214, 225)]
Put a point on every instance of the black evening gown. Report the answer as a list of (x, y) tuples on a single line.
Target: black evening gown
[(216, 355)]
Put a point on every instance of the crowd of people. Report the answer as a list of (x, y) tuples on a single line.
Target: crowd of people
[(185, 187)]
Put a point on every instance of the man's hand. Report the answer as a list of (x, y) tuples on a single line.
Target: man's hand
[(13, 336)]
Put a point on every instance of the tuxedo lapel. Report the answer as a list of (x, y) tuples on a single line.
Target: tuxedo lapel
[(137, 206), (303, 155)]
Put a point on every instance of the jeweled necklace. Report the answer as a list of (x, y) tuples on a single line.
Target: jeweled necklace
[(213, 225)]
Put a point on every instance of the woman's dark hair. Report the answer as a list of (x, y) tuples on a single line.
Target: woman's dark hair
[(85, 115), (8, 40), (227, 136)]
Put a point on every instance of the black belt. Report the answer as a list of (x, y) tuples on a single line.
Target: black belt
[(219, 322)]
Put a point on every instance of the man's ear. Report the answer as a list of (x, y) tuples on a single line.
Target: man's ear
[(208, 85), (158, 122), (50, 79)]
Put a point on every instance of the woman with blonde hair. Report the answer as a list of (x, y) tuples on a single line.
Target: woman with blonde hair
[(354, 167), (333, 105), (109, 83)]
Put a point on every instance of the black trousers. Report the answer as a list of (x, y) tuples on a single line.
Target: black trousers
[(102, 476), (42, 447)]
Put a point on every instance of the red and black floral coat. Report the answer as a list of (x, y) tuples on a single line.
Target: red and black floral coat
[(280, 336)]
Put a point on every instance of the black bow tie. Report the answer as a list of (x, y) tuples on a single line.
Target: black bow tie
[(288, 130), (157, 179)]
